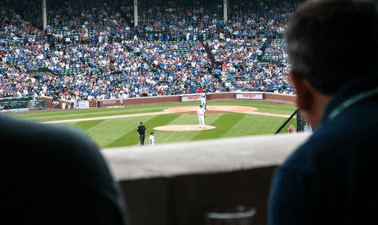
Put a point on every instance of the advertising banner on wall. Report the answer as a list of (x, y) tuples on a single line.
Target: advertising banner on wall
[(249, 96), (83, 104), (191, 98), (14, 110)]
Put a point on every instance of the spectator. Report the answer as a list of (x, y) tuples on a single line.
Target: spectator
[(101, 25), (56, 179), (329, 177)]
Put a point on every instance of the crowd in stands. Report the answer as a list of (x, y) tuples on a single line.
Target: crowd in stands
[(89, 50), (239, 69)]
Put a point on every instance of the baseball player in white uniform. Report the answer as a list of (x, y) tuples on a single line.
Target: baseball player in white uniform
[(152, 139), (121, 97), (307, 128), (201, 116), (203, 99), (76, 103)]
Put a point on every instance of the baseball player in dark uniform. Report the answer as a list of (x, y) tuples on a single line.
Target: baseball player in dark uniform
[(141, 133)]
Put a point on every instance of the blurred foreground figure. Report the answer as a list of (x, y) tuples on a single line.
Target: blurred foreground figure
[(55, 175), (331, 179)]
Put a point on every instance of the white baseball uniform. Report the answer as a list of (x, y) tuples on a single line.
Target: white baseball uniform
[(201, 117), (203, 99), (307, 128), (152, 140), (121, 97), (76, 103)]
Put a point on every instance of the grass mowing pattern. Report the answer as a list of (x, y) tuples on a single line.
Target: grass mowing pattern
[(120, 132), (89, 113), (261, 106), (222, 124), (255, 125), (92, 113), (86, 125), (131, 137), (184, 136)]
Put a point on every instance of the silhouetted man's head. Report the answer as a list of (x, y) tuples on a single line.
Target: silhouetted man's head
[(330, 42)]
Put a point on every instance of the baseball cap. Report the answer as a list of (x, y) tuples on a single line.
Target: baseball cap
[(152, 132), (201, 105), (141, 123)]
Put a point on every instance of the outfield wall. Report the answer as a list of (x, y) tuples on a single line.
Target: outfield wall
[(177, 183), (177, 99), (280, 97)]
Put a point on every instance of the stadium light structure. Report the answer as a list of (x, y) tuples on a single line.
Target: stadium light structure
[(225, 11), (135, 13), (44, 16)]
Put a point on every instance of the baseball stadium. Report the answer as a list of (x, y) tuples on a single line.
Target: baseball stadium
[(121, 71)]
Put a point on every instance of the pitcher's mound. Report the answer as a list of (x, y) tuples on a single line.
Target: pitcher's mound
[(183, 128)]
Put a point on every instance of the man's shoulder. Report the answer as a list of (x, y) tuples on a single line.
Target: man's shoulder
[(59, 144), (66, 155), (338, 138), (34, 129)]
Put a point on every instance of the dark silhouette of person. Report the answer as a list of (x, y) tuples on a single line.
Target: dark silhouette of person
[(55, 175), (330, 179)]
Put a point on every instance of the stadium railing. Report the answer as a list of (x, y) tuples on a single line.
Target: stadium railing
[(20, 103), (291, 121), (295, 121)]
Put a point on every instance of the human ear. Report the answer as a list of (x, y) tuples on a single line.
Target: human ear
[(304, 97)]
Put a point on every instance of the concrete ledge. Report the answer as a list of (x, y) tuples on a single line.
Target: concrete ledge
[(177, 183), (210, 156)]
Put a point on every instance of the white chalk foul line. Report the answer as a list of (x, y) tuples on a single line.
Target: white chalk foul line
[(106, 117)]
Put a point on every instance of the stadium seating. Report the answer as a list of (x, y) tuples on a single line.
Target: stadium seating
[(111, 49)]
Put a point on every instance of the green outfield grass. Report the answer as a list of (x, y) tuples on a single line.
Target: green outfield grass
[(91, 113), (109, 133)]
